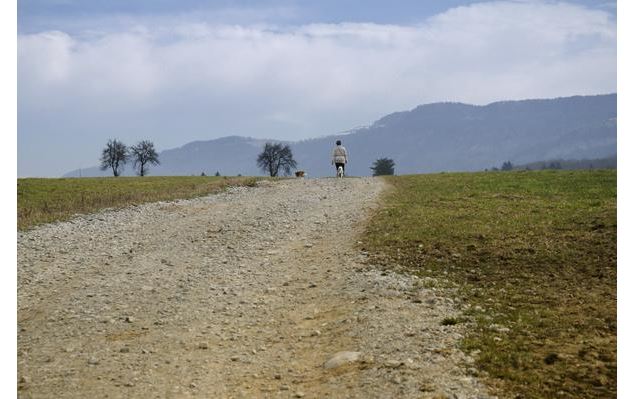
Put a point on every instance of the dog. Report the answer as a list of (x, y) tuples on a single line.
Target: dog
[(340, 172)]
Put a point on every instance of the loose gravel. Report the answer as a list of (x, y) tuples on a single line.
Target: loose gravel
[(255, 292)]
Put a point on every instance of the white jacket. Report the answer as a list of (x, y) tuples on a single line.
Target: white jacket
[(340, 155)]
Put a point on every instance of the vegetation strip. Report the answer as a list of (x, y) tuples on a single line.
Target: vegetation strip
[(531, 258), (49, 200)]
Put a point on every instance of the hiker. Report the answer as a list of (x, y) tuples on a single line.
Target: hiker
[(340, 156)]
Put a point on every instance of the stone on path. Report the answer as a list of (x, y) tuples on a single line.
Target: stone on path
[(342, 358)]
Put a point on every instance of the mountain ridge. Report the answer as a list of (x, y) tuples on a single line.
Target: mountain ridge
[(442, 136)]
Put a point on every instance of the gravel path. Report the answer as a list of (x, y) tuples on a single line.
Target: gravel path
[(249, 293)]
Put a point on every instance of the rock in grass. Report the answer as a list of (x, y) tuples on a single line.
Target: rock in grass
[(342, 358), (551, 358)]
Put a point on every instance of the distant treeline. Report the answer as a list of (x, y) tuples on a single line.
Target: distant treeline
[(568, 164)]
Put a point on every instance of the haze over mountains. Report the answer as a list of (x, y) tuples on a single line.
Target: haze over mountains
[(429, 138)]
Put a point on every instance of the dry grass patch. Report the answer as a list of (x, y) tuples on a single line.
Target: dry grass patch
[(533, 255), (48, 200)]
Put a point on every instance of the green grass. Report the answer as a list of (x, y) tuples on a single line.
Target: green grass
[(532, 252), (48, 200)]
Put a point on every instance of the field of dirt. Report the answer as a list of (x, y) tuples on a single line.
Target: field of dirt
[(255, 292)]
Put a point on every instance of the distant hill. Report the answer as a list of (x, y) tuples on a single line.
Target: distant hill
[(570, 164), (429, 138), (229, 156)]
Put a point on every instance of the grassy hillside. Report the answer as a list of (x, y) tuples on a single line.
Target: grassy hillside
[(531, 257), (47, 200)]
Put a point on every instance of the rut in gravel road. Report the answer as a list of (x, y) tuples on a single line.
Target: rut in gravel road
[(247, 293)]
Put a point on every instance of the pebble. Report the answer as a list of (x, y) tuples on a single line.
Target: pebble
[(393, 364), (498, 328), (342, 358)]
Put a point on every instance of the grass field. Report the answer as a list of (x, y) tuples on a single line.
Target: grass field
[(47, 200), (532, 257)]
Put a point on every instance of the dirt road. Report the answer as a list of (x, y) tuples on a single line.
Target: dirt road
[(242, 294)]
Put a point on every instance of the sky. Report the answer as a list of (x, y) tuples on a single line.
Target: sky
[(178, 71)]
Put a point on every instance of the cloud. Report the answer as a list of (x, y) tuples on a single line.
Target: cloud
[(180, 80)]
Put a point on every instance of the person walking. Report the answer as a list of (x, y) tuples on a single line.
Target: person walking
[(340, 156)]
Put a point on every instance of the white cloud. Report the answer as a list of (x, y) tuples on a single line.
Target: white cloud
[(45, 58), (209, 79)]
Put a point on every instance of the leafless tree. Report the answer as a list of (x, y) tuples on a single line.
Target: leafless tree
[(275, 157), (114, 156), (143, 154)]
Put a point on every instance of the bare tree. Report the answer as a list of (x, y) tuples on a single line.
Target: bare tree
[(114, 156), (143, 154), (275, 157)]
